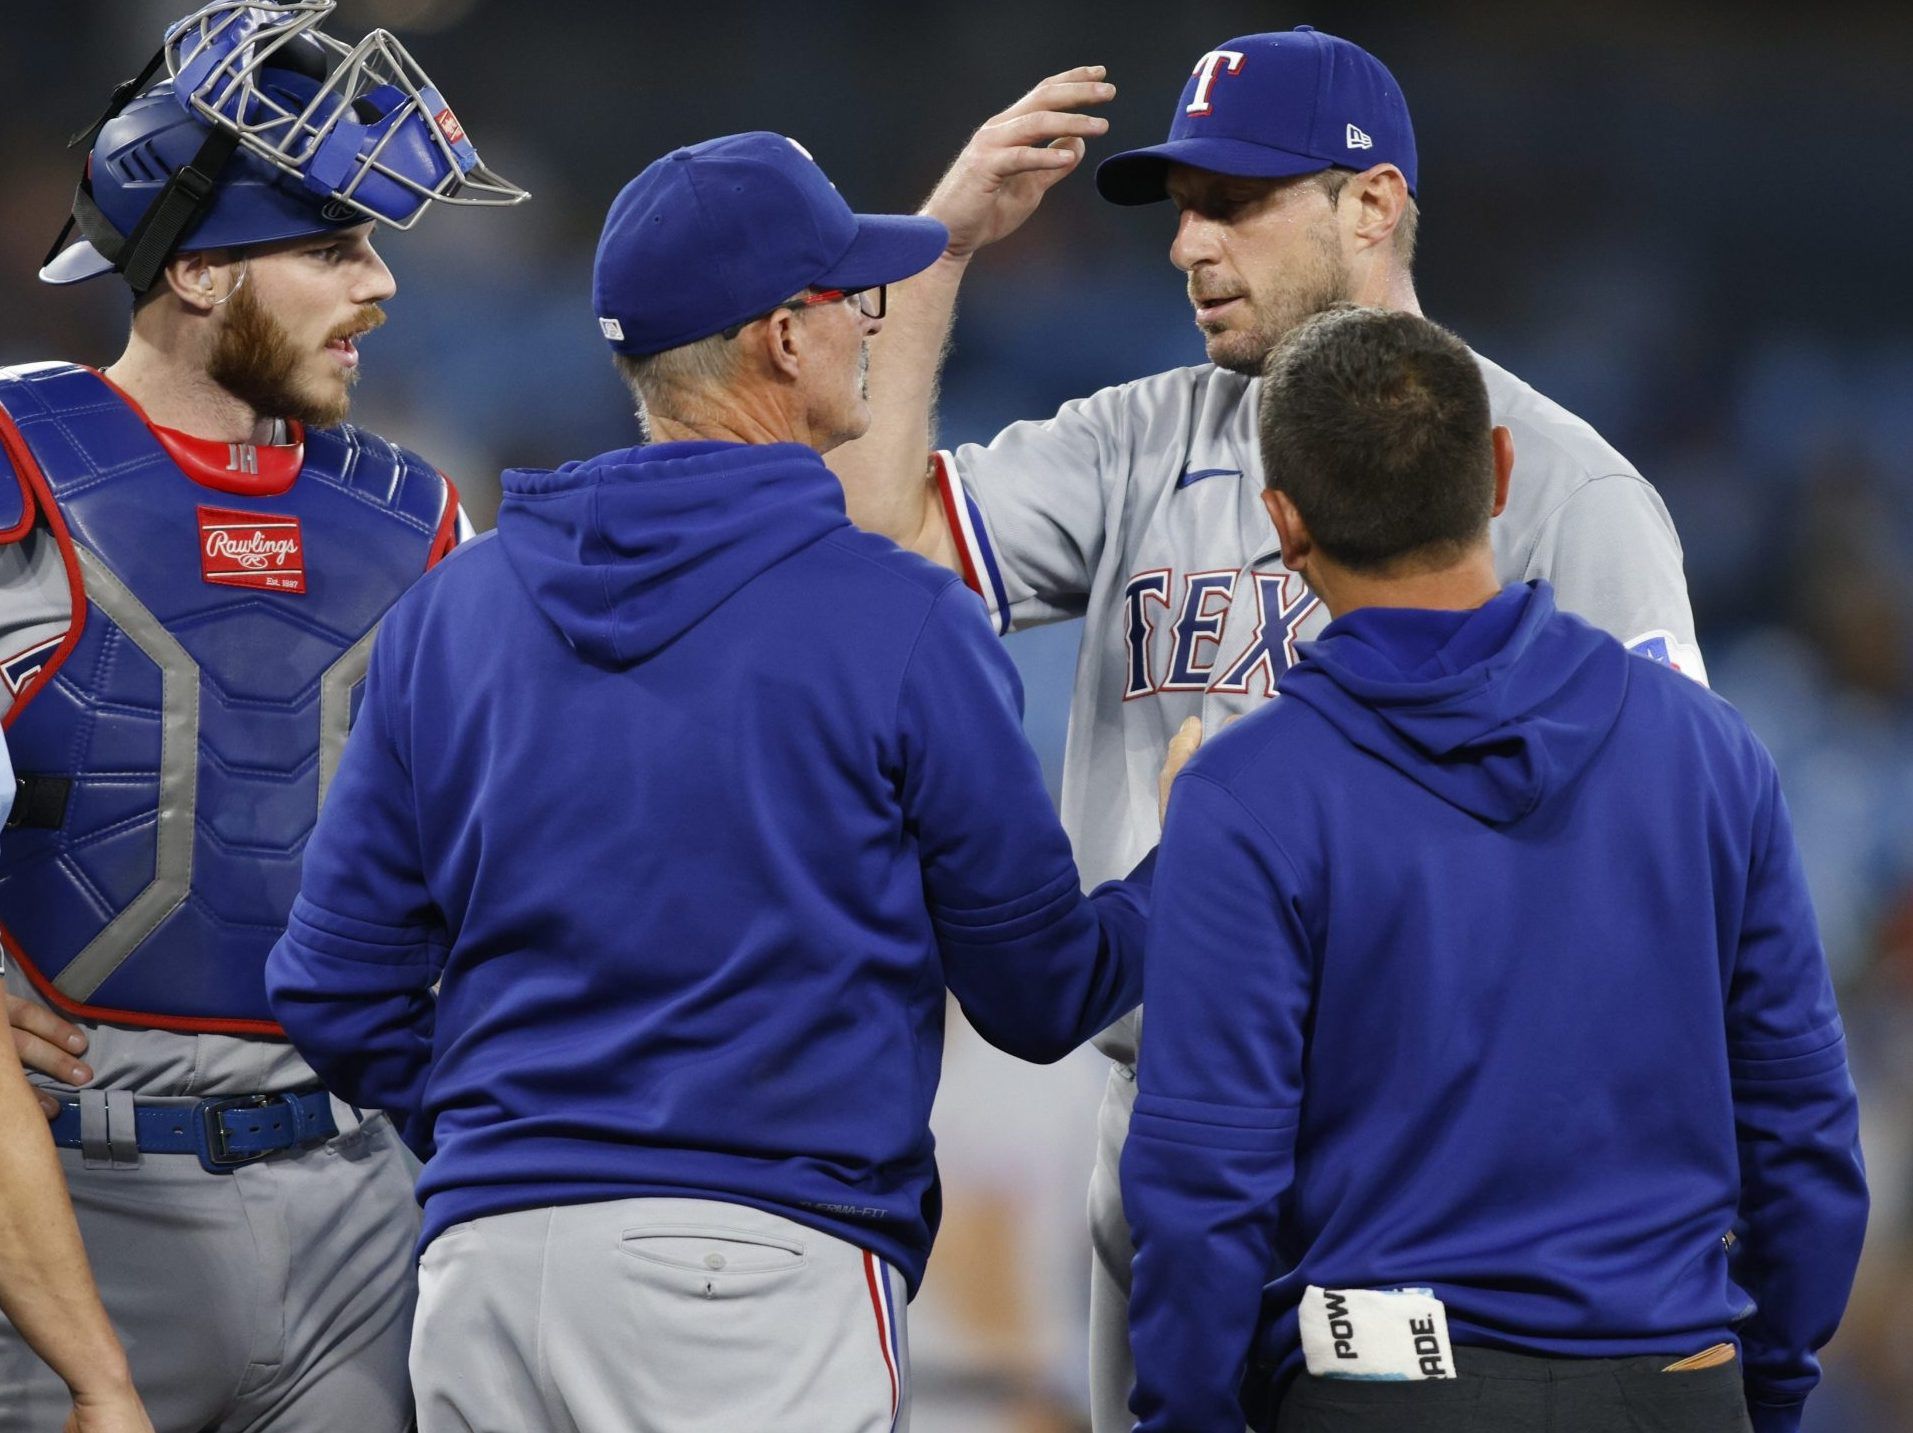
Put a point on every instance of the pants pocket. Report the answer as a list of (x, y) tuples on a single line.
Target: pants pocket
[(701, 1250)]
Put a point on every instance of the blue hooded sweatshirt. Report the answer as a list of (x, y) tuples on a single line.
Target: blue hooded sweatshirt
[(1482, 961), (696, 799)]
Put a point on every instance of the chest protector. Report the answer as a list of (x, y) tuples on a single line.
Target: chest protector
[(177, 743)]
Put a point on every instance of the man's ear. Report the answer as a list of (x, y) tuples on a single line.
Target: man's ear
[(1380, 196), (783, 342), (1289, 528), (1504, 466), (203, 279)]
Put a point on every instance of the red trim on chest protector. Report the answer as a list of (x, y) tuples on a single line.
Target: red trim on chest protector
[(28, 468), (251, 470), (179, 1024)]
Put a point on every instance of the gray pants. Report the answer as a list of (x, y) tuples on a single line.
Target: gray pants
[(277, 1296), (1112, 1372), (656, 1316)]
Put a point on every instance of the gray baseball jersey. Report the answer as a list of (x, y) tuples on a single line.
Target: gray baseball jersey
[(1138, 509)]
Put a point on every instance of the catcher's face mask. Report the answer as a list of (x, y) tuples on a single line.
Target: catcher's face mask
[(263, 127), (372, 133)]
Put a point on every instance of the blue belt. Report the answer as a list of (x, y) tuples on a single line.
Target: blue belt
[(224, 1133)]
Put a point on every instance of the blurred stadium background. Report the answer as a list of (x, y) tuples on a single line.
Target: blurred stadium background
[(1687, 223)]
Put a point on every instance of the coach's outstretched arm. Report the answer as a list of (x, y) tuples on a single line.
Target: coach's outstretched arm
[(997, 181), (1037, 966)]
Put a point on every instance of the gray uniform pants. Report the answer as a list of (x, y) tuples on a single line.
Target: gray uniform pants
[(1112, 1372), (278, 1296), (656, 1316)]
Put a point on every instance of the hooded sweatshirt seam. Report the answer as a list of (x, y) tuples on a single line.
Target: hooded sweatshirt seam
[(910, 656), (1275, 843), (604, 580)]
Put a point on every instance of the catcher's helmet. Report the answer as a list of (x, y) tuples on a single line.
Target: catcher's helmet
[(264, 128)]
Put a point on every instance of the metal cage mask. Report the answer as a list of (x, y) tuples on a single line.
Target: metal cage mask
[(372, 132)]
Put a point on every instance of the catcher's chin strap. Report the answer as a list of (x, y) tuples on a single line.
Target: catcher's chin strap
[(140, 255)]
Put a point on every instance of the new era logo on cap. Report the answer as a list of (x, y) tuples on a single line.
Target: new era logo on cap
[(1358, 140), (611, 329)]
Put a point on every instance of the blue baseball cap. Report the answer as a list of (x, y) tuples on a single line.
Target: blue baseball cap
[(1271, 106), (724, 231)]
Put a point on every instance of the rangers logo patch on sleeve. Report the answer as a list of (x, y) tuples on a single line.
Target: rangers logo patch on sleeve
[(242, 549), (1664, 647)]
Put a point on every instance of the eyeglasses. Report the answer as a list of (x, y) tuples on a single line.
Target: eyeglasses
[(871, 303)]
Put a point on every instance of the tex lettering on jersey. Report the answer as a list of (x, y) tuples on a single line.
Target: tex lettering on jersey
[(1174, 631)]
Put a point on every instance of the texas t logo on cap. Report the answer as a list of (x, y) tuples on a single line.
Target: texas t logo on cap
[(1205, 73)]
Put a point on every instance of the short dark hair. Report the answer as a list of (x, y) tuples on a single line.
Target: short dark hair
[(1376, 425)]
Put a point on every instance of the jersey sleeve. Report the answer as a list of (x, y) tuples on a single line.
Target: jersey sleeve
[(1613, 557), (1030, 509)]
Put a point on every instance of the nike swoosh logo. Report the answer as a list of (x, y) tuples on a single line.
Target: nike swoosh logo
[(1196, 475)]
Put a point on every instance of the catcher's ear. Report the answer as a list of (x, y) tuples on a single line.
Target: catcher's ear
[(194, 279)]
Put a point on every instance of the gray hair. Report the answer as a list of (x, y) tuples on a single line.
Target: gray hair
[(678, 382)]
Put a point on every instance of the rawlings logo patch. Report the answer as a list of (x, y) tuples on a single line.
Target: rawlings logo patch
[(242, 549), (449, 126)]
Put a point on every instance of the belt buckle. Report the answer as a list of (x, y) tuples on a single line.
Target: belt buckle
[(210, 1137)]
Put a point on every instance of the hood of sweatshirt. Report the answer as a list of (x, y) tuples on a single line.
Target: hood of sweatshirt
[(627, 551), (1494, 710)]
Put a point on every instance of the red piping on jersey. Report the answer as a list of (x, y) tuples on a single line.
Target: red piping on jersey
[(883, 1333), (946, 486), (38, 488), (180, 1024), (447, 538), (210, 463)]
